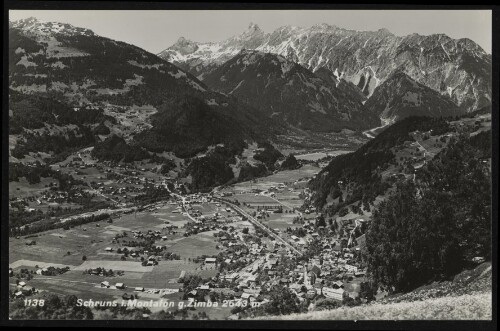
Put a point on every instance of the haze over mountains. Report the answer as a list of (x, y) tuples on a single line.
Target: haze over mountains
[(458, 68)]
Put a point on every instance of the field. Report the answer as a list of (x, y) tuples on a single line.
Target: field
[(23, 189), (281, 221), (287, 176), (196, 245), (288, 196), (52, 248), (320, 155), (89, 240)]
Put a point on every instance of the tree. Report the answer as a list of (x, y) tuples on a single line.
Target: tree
[(84, 258), (367, 291), (320, 221), (282, 302), (290, 163)]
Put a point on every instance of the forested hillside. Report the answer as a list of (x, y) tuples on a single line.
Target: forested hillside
[(433, 228), (357, 176), (71, 85)]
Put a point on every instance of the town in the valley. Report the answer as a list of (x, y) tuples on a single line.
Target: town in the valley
[(221, 251)]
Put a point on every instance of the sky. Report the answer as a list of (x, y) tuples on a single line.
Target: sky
[(155, 30)]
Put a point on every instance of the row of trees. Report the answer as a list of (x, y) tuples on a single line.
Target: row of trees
[(55, 224)]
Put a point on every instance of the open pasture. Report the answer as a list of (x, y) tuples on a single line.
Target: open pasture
[(53, 246), (281, 221), (287, 176), (23, 189), (194, 246), (254, 199)]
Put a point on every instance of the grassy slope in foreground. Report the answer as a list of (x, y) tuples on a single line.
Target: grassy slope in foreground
[(465, 307)]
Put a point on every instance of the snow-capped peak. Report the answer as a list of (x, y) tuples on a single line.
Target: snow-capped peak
[(184, 46), (34, 26)]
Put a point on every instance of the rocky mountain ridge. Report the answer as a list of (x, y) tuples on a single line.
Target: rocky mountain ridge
[(458, 68)]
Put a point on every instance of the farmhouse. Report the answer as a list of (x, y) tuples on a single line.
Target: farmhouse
[(351, 268), (210, 260), (251, 281), (337, 284), (272, 262), (231, 277)]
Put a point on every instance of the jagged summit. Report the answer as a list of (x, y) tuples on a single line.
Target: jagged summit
[(385, 31), (253, 27), (252, 37), (184, 46), (182, 40)]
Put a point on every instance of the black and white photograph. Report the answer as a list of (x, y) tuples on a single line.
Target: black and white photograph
[(249, 164)]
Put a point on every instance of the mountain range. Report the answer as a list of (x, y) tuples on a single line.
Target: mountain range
[(70, 87), (457, 68)]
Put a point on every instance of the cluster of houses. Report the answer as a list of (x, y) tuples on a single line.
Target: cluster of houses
[(307, 280), (326, 274), (24, 290), (334, 266), (51, 198)]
